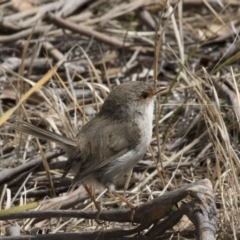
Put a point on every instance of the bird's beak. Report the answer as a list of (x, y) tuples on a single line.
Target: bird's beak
[(158, 90)]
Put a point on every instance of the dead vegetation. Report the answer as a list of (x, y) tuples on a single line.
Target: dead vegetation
[(90, 46)]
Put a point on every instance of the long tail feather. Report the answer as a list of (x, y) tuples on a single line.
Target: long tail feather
[(28, 128)]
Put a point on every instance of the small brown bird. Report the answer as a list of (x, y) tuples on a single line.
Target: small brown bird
[(109, 145)]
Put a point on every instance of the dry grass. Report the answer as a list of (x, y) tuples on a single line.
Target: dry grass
[(196, 132)]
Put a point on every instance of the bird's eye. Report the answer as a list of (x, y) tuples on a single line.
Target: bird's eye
[(144, 95)]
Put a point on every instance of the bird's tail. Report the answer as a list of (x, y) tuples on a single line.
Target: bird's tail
[(28, 128)]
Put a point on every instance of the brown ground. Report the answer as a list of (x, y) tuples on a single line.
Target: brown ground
[(101, 44)]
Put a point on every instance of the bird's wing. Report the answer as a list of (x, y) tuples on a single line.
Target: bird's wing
[(102, 143)]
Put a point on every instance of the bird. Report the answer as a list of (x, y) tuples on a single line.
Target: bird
[(111, 143)]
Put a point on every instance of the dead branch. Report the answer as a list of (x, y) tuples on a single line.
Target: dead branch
[(60, 22), (24, 33), (201, 211), (9, 174)]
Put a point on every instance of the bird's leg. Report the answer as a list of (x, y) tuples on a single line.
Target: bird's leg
[(97, 205), (131, 205), (129, 176)]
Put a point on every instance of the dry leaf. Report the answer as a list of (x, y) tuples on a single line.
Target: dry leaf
[(184, 223), (217, 30), (21, 5), (9, 93)]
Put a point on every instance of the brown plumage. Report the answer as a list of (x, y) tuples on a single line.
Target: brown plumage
[(111, 143)]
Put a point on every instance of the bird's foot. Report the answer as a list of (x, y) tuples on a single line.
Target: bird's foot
[(97, 205), (99, 210), (131, 205)]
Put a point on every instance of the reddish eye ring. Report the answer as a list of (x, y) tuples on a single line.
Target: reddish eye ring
[(144, 95)]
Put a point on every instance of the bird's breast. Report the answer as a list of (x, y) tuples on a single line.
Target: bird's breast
[(125, 163), (145, 125)]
